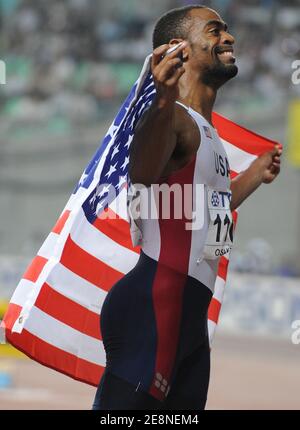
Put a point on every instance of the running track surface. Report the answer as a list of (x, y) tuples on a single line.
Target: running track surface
[(247, 373)]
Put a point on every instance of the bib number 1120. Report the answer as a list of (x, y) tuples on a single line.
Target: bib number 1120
[(226, 224)]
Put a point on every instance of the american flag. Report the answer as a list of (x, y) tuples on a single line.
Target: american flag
[(53, 315)]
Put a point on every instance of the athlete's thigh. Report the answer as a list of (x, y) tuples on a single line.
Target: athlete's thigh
[(190, 386), (115, 393)]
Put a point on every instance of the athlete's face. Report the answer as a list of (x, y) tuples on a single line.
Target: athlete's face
[(211, 47)]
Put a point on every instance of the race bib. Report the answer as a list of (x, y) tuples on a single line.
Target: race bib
[(219, 239)]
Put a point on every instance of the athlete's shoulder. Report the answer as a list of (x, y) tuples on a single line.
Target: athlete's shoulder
[(182, 119), (186, 129)]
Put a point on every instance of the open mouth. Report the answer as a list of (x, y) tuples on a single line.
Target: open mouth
[(225, 55)]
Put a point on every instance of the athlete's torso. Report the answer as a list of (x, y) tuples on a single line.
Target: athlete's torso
[(175, 241)]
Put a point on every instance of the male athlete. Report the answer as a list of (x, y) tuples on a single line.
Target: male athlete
[(154, 320)]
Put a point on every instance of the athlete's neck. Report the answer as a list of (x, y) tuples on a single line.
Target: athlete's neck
[(197, 95)]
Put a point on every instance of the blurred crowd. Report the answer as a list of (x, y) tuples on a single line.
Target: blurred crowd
[(73, 57)]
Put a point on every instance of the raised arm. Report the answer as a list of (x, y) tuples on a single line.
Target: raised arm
[(263, 170), (155, 136)]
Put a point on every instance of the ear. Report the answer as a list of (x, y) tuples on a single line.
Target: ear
[(185, 54), (174, 42)]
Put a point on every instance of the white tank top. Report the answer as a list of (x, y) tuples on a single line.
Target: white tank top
[(194, 252)]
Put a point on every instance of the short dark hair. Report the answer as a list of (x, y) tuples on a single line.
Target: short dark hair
[(173, 25)]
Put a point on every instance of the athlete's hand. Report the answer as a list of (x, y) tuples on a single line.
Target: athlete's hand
[(166, 73), (270, 164)]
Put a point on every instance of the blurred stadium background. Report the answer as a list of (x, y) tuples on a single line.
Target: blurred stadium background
[(69, 65)]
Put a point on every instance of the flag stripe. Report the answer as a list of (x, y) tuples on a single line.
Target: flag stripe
[(33, 271), (46, 327), (223, 267), (46, 250), (65, 310), (88, 267), (69, 364), (214, 310), (211, 329), (116, 227), (239, 159), (23, 291), (12, 314), (67, 283), (119, 205), (76, 288), (73, 200), (241, 137), (219, 289), (61, 222), (235, 216), (102, 247)]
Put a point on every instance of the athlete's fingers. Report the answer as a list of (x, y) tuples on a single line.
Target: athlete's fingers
[(175, 77), (276, 159), (157, 54), (275, 169), (277, 150), (170, 67), (175, 50), (167, 57)]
